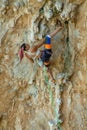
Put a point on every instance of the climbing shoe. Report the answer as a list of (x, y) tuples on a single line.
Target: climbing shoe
[(54, 81)]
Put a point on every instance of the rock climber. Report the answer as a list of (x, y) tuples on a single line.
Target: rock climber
[(33, 52)]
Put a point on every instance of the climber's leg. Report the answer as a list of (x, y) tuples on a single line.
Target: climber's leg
[(51, 75)]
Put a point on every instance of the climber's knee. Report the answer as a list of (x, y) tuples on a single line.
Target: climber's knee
[(47, 63)]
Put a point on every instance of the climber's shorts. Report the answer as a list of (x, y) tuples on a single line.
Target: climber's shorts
[(47, 44), (47, 52)]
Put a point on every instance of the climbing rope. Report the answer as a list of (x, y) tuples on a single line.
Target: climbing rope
[(58, 121)]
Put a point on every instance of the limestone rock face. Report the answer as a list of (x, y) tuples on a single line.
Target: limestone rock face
[(28, 98)]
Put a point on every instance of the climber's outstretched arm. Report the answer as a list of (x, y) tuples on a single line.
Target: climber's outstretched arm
[(43, 40), (35, 48), (41, 43), (56, 31)]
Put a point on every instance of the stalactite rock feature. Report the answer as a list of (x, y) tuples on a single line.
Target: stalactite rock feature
[(68, 12)]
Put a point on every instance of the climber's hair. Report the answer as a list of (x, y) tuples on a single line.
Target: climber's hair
[(23, 46)]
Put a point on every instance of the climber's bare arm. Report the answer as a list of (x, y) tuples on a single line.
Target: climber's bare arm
[(29, 57), (52, 34), (56, 31), (35, 48), (41, 43)]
